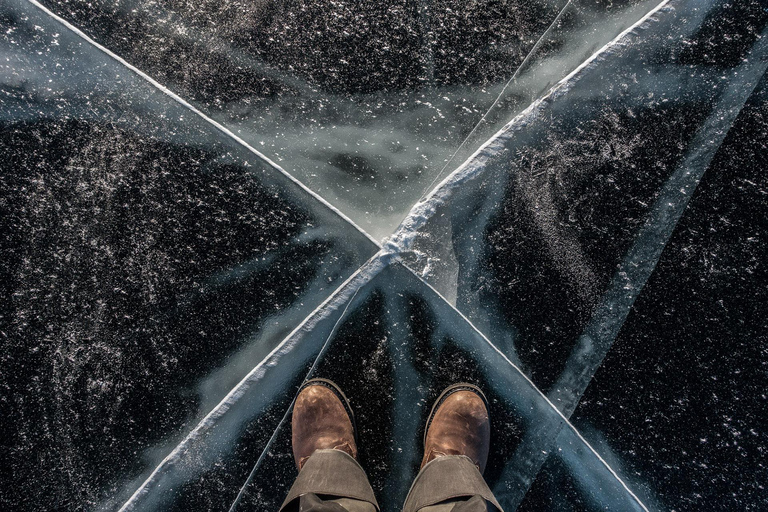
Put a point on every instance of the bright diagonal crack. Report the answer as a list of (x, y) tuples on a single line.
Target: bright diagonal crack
[(217, 126), (496, 101), (163, 19)]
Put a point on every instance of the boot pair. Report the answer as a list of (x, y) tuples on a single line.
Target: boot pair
[(458, 424)]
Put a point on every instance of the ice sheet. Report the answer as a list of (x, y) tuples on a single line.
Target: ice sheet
[(150, 260), (364, 102), (170, 287)]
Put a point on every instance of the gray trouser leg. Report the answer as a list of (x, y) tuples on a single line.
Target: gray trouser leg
[(452, 483), (474, 504), (331, 481)]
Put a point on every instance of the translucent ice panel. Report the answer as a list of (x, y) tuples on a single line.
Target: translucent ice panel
[(555, 222), (686, 375), (149, 261), (159, 272), (364, 102), (546, 237)]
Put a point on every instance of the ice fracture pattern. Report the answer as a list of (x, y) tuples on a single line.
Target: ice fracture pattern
[(206, 203)]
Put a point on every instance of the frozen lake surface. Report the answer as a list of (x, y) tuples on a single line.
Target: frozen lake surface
[(205, 203)]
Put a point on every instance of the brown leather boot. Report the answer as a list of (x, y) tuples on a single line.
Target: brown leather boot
[(322, 419), (459, 425)]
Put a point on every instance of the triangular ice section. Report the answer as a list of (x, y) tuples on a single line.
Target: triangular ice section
[(528, 235), (364, 102), (396, 346), (150, 260)]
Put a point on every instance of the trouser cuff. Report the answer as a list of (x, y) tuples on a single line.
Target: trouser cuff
[(451, 476), (334, 473)]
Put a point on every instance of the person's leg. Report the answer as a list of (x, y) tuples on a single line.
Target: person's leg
[(450, 484), (323, 437), (456, 446)]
